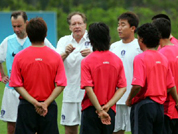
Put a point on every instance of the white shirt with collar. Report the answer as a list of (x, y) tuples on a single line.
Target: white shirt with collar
[(72, 92)]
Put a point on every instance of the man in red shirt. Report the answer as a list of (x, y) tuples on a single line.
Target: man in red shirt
[(171, 53), (171, 37), (38, 75), (101, 72), (152, 79)]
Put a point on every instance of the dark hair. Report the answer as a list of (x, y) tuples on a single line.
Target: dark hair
[(76, 13), (131, 17), (150, 35), (15, 14), (99, 36), (161, 16), (163, 26), (36, 30)]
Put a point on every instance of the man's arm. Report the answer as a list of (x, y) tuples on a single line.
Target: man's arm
[(134, 91), (105, 118), (174, 95), (5, 78), (57, 90), (119, 93)]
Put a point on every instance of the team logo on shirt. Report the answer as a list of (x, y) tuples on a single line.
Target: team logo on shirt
[(123, 52), (63, 117), (87, 44), (13, 54), (2, 113)]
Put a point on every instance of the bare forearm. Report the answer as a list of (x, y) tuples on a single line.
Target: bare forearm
[(119, 93), (54, 94), (22, 91), (173, 93), (2, 70), (93, 98), (64, 56)]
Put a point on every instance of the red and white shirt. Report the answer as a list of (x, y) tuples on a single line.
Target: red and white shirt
[(152, 72), (103, 71), (37, 69)]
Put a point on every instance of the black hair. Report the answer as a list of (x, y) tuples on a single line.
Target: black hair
[(131, 17), (164, 27), (36, 30), (15, 14), (99, 36), (149, 34)]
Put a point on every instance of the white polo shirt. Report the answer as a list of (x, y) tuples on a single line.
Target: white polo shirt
[(72, 92)]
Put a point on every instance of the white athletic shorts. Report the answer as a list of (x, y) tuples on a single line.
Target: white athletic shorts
[(10, 102), (70, 114), (122, 118)]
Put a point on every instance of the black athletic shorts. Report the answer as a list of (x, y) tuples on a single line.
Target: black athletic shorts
[(170, 125), (147, 117), (91, 124), (29, 122)]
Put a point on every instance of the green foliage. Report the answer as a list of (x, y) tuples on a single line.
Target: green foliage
[(106, 11)]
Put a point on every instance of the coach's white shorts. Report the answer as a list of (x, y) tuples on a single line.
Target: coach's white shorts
[(71, 114), (122, 118), (10, 102)]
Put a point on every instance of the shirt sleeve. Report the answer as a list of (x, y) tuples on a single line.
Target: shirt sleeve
[(61, 79), (138, 72), (121, 79), (48, 44), (3, 50), (170, 79), (86, 78), (61, 45), (16, 77)]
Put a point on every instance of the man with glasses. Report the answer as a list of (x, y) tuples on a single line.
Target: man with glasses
[(73, 48)]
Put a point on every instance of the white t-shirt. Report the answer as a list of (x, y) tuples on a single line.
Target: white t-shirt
[(3, 47), (72, 92), (126, 52)]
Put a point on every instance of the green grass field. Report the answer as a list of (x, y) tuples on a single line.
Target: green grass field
[(3, 126)]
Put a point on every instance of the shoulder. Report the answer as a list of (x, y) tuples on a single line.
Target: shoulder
[(115, 44)]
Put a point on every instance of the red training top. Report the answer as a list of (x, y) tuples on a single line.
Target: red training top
[(103, 71), (153, 74), (37, 69), (171, 53)]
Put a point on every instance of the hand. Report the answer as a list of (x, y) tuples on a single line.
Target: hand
[(104, 116), (69, 49), (5, 79), (128, 102), (41, 108), (106, 107), (85, 52)]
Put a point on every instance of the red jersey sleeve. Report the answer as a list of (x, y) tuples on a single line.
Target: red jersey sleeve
[(170, 79), (121, 79), (86, 78), (16, 77), (61, 79), (138, 72)]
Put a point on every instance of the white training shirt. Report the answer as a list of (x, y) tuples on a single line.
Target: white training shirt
[(72, 92), (126, 52), (3, 47)]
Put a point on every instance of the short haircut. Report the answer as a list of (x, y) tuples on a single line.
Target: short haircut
[(36, 30), (15, 14), (131, 17), (150, 35), (161, 16), (99, 36), (164, 27), (76, 13)]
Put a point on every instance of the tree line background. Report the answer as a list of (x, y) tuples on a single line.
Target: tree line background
[(106, 11)]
